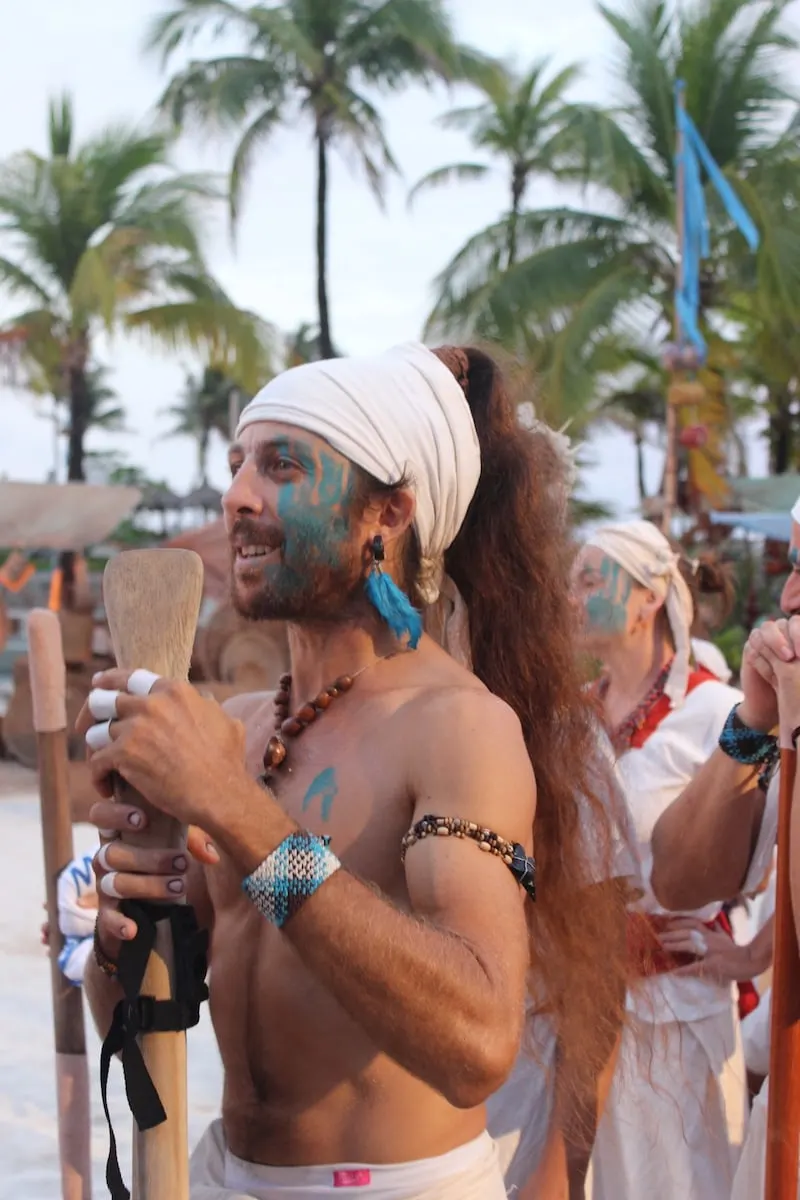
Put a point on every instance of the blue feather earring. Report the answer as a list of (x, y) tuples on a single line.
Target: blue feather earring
[(390, 601)]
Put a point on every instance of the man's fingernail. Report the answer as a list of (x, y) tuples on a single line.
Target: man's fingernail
[(126, 932), (211, 851), (175, 885), (135, 819), (179, 863), (97, 677)]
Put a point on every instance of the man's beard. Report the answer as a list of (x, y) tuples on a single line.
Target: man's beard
[(308, 583)]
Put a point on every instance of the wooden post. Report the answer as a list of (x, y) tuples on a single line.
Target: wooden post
[(48, 689), (671, 463), (152, 600), (783, 1109)]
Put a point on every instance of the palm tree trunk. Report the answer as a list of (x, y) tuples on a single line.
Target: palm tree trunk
[(639, 442), (79, 406), (781, 440), (517, 189), (202, 456), (325, 341)]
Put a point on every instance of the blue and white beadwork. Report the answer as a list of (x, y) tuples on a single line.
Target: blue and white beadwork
[(289, 875), (744, 745)]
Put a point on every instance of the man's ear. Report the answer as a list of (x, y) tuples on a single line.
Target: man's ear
[(396, 514)]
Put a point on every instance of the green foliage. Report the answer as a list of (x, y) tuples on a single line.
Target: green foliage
[(106, 235)]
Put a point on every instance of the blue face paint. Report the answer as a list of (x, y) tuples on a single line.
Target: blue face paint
[(314, 503), (323, 788), (607, 604), (794, 557)]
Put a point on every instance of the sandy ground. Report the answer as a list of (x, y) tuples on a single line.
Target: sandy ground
[(28, 1131)]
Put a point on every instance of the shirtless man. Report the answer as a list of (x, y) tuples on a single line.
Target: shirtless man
[(365, 1020)]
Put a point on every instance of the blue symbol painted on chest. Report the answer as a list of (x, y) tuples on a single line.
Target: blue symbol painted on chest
[(324, 788)]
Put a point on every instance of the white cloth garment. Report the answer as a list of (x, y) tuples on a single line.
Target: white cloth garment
[(664, 1141), (520, 1115), (76, 923), (749, 1181), (395, 414), (647, 556), (471, 1172), (677, 1107), (707, 655)]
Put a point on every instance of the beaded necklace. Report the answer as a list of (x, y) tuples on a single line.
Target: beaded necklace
[(289, 727), (623, 735)]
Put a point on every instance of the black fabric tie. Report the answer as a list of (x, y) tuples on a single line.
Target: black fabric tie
[(136, 1014)]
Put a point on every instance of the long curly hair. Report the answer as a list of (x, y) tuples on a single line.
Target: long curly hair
[(511, 562)]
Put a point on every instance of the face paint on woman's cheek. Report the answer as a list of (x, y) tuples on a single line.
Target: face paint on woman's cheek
[(607, 607)]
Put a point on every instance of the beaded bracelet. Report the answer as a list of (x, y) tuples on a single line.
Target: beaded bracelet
[(521, 865), (286, 878), (106, 964), (744, 745)]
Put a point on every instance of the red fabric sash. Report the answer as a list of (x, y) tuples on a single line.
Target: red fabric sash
[(648, 957), (663, 707)]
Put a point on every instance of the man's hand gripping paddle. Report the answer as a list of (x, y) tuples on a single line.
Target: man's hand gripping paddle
[(152, 601), (48, 687)]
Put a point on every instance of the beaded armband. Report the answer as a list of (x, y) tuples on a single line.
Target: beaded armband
[(744, 745), (294, 870), (521, 865)]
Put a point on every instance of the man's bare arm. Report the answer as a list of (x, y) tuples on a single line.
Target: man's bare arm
[(703, 843), (441, 988)]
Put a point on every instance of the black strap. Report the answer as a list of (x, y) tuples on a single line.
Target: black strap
[(136, 1014)]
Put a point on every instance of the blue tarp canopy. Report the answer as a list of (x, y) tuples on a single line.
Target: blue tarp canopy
[(774, 525)]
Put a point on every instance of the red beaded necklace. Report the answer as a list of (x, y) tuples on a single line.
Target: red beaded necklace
[(287, 727)]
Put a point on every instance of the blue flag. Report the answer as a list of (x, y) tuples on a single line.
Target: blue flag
[(696, 245)]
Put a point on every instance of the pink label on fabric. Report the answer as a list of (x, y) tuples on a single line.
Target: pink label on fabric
[(360, 1178)]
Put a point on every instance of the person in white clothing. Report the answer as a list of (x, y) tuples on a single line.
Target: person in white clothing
[(717, 840), (675, 1115)]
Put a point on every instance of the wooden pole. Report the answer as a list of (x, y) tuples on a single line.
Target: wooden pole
[(671, 463), (152, 601), (783, 1109), (48, 689)]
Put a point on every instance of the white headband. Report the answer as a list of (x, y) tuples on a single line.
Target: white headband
[(644, 552), (396, 414)]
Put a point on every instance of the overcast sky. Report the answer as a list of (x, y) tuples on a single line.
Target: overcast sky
[(381, 263)]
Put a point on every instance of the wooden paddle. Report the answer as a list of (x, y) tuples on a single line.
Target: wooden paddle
[(783, 1110), (48, 688), (152, 601)]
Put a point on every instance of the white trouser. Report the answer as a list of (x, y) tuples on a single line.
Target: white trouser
[(472, 1172), (674, 1122)]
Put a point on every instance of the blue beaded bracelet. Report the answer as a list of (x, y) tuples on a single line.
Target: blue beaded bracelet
[(744, 745), (294, 870)]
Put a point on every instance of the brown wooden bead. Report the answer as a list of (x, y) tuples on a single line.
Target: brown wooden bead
[(306, 714), (275, 752), (332, 691), (344, 683), (292, 727), (283, 698), (286, 682), (322, 701)]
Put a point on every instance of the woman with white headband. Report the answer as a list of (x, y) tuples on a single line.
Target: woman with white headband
[(675, 1115)]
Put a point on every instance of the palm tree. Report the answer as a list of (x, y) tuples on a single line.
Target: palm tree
[(106, 236), (318, 59), (526, 123), (204, 409), (582, 276)]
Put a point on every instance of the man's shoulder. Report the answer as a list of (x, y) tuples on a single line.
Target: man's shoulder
[(462, 717)]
